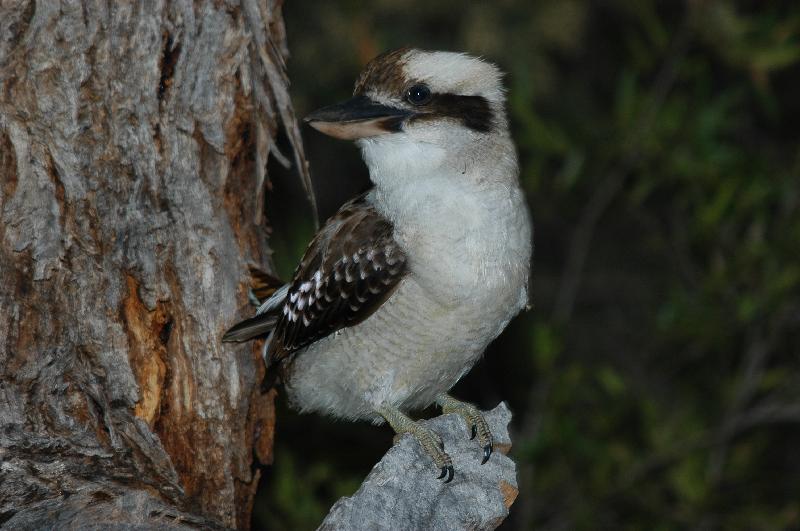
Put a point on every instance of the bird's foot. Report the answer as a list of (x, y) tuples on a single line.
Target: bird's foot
[(430, 442), (474, 419)]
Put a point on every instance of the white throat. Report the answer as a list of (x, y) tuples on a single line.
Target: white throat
[(459, 214)]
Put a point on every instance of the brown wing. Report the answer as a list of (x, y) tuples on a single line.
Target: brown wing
[(350, 268)]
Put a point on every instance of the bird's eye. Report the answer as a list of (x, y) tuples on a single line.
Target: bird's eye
[(418, 94)]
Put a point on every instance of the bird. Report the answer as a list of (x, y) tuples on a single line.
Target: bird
[(400, 292)]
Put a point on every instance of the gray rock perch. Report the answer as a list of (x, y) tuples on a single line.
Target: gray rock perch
[(402, 492)]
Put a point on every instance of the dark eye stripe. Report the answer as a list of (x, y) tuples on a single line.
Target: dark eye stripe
[(473, 111)]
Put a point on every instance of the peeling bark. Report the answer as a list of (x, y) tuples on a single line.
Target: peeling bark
[(133, 146)]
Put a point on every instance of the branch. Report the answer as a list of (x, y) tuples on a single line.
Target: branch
[(402, 492)]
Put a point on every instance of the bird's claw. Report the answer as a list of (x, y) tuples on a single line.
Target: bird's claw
[(487, 453), (447, 471), (430, 442), (474, 418)]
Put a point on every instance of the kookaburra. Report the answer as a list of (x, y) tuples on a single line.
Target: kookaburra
[(400, 292)]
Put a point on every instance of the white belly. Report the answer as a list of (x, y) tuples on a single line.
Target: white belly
[(469, 256), (410, 350)]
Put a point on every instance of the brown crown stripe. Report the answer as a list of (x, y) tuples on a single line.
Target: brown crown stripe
[(383, 73)]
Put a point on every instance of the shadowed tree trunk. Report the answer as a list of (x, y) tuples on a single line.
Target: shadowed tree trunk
[(133, 147)]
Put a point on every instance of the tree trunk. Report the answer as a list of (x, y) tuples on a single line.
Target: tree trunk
[(133, 146)]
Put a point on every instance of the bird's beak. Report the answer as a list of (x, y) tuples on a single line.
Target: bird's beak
[(358, 117)]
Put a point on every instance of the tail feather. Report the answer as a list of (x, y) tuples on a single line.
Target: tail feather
[(260, 325)]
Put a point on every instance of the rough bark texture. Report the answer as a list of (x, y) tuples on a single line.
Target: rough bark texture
[(133, 146), (402, 492)]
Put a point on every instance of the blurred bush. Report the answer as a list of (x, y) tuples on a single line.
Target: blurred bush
[(656, 383)]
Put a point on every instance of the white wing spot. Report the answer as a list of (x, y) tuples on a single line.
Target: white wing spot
[(389, 255)]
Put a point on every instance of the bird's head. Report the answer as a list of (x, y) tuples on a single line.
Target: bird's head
[(421, 108)]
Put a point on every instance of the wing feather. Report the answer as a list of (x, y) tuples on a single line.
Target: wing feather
[(350, 268), (343, 278)]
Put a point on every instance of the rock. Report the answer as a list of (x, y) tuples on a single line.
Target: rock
[(402, 492)]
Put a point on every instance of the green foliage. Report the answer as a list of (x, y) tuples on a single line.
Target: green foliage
[(301, 493), (666, 395)]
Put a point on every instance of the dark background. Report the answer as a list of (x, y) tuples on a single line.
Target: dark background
[(656, 382)]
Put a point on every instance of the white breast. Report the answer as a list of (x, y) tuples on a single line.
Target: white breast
[(466, 243), (462, 220), (469, 256)]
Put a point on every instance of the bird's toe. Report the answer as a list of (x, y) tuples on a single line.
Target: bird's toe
[(475, 422), (487, 453)]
